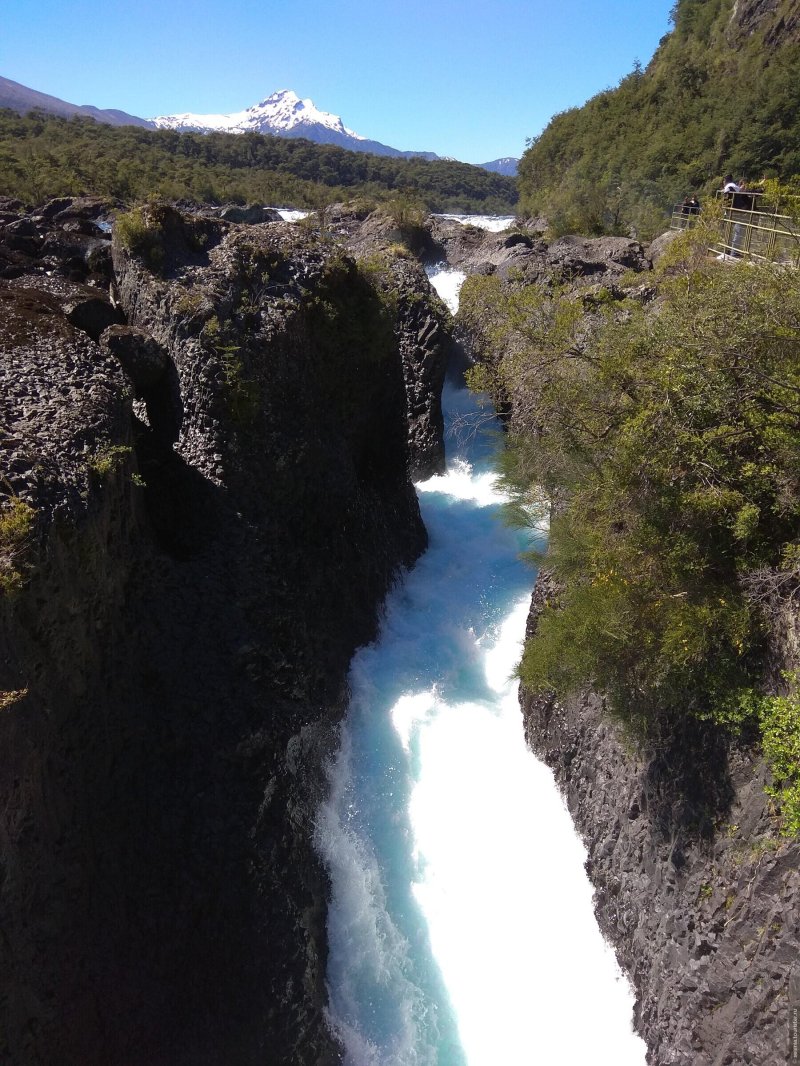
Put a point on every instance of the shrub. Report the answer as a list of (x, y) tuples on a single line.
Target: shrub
[(109, 459), (140, 232), (779, 718), (242, 394), (16, 527), (670, 440)]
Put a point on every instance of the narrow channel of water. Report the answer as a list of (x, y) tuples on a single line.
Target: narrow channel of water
[(461, 927)]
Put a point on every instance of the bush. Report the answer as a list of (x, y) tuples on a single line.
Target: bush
[(16, 527), (779, 718), (108, 459), (670, 442), (139, 231)]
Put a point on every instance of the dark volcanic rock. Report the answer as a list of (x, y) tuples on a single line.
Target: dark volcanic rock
[(423, 331), (580, 256), (64, 405), (142, 358), (92, 313), (381, 231), (457, 243), (63, 238), (522, 255), (10, 205), (251, 214), (174, 664), (693, 887)]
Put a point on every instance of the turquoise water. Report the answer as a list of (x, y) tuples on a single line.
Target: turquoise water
[(460, 926)]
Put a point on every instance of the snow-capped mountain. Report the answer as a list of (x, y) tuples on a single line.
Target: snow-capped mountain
[(280, 113), (507, 165), (283, 114)]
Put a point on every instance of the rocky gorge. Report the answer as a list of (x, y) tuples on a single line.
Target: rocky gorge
[(210, 429)]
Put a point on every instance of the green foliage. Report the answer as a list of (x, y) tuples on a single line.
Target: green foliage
[(109, 459), (16, 527), (779, 718), (351, 320), (715, 98), (140, 232), (242, 393), (43, 156), (407, 211), (361, 300), (669, 443)]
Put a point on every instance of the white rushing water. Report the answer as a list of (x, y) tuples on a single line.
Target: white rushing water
[(492, 223), (461, 927), (289, 214)]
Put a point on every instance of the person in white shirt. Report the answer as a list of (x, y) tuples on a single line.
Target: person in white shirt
[(730, 187)]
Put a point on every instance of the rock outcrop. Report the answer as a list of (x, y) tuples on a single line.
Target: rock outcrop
[(523, 255), (694, 888), (217, 499)]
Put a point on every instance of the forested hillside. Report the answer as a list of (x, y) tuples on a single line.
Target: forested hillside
[(665, 424), (722, 93), (43, 156)]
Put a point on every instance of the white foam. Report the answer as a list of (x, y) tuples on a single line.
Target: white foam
[(492, 223), (461, 926), (504, 892), (447, 284), (290, 215)]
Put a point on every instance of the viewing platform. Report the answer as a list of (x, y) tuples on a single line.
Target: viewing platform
[(756, 232)]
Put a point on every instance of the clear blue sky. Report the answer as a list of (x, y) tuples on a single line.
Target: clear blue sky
[(464, 78)]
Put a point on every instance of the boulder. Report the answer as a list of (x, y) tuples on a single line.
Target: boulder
[(582, 256), (659, 246), (21, 235)]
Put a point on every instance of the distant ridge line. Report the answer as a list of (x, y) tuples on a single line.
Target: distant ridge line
[(21, 98)]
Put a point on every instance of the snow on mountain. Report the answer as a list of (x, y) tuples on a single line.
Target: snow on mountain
[(283, 114), (280, 114), (507, 165)]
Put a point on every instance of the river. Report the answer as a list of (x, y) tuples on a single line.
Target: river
[(460, 926)]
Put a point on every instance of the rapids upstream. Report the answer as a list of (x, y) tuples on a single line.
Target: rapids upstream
[(461, 929)]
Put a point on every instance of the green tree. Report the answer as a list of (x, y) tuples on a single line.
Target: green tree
[(668, 444)]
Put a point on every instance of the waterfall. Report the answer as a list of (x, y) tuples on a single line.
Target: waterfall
[(461, 928)]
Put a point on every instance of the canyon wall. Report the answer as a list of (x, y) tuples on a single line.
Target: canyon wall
[(694, 887), (206, 451)]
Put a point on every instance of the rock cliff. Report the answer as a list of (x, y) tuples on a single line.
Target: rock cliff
[(210, 471), (694, 888)]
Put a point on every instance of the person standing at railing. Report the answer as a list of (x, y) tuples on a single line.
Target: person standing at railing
[(731, 191), (690, 207)]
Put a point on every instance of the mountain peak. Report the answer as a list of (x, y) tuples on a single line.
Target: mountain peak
[(282, 113), (283, 96)]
